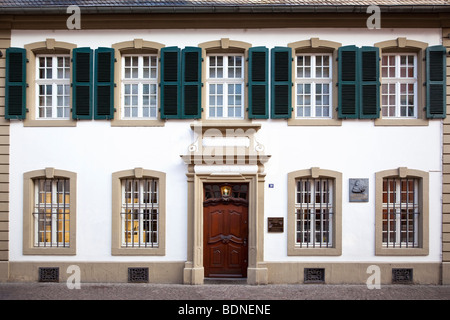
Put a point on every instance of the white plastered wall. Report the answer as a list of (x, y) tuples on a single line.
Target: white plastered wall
[(94, 150)]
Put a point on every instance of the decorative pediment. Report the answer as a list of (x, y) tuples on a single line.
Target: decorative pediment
[(225, 143)]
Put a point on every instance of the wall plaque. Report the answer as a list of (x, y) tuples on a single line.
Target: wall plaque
[(359, 190), (275, 224)]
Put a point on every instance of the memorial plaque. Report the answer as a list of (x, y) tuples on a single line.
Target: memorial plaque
[(275, 224), (359, 190)]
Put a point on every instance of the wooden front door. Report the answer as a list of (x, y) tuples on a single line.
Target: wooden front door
[(225, 235)]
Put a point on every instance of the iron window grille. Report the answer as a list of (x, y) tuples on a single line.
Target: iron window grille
[(140, 213), (400, 213), (314, 213), (52, 212)]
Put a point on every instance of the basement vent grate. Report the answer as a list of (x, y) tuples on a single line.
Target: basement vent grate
[(48, 274), (402, 276), (137, 275), (314, 275)]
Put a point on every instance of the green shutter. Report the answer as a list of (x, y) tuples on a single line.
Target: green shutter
[(15, 84), (258, 83), (369, 83), (281, 84), (436, 82), (348, 84), (191, 82), (170, 83), (104, 84), (82, 83)]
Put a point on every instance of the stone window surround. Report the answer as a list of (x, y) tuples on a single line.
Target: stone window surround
[(400, 45), (116, 246), (315, 45), (28, 205), (336, 249), (49, 46), (423, 238), (136, 46)]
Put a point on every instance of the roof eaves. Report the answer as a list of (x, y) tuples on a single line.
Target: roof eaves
[(128, 9)]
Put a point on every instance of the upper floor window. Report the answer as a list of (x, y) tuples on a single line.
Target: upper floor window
[(225, 86), (313, 85), (399, 85), (53, 86), (140, 86)]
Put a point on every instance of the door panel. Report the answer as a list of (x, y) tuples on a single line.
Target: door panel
[(225, 239)]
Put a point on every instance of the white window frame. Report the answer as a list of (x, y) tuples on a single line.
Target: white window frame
[(139, 82), (313, 80), (133, 213), (398, 81), (53, 209), (225, 81), (53, 82)]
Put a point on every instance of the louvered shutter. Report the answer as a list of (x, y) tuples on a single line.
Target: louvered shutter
[(170, 83), (281, 84), (191, 82), (104, 84), (348, 88), (369, 83), (82, 83), (15, 85), (436, 81), (258, 91)]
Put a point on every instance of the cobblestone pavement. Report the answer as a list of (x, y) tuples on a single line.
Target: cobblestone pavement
[(112, 291)]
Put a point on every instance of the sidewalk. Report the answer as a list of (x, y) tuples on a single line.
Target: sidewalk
[(125, 291)]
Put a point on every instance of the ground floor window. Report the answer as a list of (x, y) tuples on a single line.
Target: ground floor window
[(400, 212), (314, 212), (52, 212), (314, 221), (139, 213)]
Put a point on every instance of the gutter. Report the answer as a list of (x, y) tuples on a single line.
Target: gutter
[(139, 9)]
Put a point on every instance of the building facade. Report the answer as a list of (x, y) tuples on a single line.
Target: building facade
[(286, 143)]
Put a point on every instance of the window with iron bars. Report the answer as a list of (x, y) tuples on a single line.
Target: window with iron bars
[(400, 213), (314, 213), (52, 212), (139, 214)]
